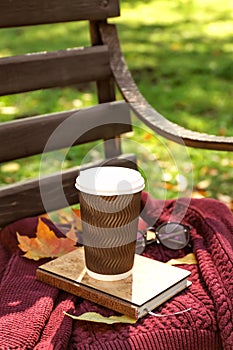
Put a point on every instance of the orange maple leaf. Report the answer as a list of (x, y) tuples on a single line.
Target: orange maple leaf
[(46, 244), (77, 219)]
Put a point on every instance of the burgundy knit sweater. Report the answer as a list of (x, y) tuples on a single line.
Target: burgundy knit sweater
[(31, 312)]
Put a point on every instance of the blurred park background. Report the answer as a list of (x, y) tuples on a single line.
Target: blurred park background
[(180, 55)]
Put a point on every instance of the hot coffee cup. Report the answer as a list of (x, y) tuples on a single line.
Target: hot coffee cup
[(110, 206)]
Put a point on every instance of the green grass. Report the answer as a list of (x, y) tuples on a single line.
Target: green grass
[(180, 55)]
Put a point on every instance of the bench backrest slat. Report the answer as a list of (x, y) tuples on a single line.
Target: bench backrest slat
[(53, 69), (24, 12), (49, 193), (62, 130)]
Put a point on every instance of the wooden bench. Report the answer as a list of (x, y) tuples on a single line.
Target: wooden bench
[(101, 62)]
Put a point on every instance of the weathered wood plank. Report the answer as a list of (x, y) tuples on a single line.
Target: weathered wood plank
[(29, 136), (52, 69), (50, 193), (24, 12)]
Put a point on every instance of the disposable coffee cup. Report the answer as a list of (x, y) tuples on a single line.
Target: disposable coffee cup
[(110, 206)]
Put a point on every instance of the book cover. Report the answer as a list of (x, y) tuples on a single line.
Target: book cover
[(151, 283)]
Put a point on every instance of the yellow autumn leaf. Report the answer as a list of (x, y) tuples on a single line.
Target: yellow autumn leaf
[(95, 317), (188, 259), (46, 244)]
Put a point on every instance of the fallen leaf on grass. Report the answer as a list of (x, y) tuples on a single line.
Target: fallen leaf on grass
[(11, 167), (199, 194), (46, 244), (147, 136), (204, 184), (95, 317)]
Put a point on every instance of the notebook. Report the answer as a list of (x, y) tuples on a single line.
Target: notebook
[(151, 283)]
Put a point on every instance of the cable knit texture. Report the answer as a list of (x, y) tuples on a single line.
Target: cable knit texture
[(31, 312)]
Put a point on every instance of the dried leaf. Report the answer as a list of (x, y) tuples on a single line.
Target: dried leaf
[(199, 194), (147, 136), (222, 131), (46, 244), (71, 234), (77, 219), (95, 317), (11, 167), (187, 259), (64, 216), (169, 186), (204, 184)]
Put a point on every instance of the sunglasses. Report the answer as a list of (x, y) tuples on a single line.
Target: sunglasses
[(171, 235)]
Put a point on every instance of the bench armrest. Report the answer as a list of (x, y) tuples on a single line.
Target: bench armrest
[(144, 111)]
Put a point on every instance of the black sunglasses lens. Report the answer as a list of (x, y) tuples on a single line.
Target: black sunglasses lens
[(140, 243), (173, 235)]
